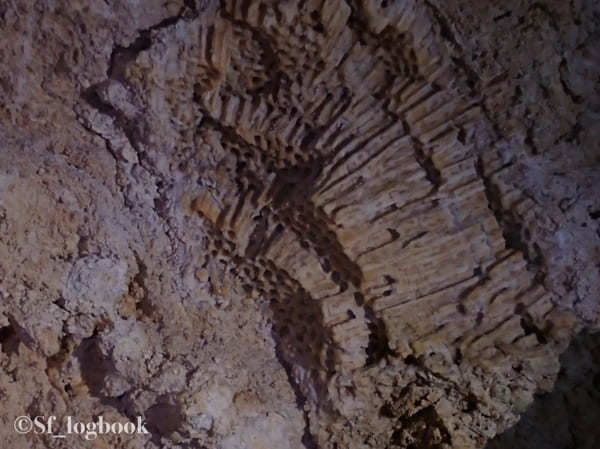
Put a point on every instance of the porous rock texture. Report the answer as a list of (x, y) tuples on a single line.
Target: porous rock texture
[(299, 223)]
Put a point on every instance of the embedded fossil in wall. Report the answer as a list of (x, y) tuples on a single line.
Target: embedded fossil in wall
[(321, 187), (354, 198), (349, 192)]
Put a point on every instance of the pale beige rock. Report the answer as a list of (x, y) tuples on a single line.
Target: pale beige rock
[(285, 224)]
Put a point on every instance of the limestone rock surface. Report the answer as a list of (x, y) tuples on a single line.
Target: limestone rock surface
[(299, 223)]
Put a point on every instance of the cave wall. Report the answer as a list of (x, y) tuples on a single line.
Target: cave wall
[(289, 224), (567, 416)]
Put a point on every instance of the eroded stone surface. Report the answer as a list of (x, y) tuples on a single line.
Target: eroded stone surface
[(339, 224), (566, 416)]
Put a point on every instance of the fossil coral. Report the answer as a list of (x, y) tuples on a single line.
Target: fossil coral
[(290, 223)]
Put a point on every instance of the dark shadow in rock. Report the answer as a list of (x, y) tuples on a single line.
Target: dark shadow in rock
[(9, 340), (163, 418), (95, 367), (568, 417), (12, 336)]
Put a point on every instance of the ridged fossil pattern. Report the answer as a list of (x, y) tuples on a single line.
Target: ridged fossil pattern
[(349, 191)]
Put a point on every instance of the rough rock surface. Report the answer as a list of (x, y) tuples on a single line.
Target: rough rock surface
[(568, 415), (300, 223)]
